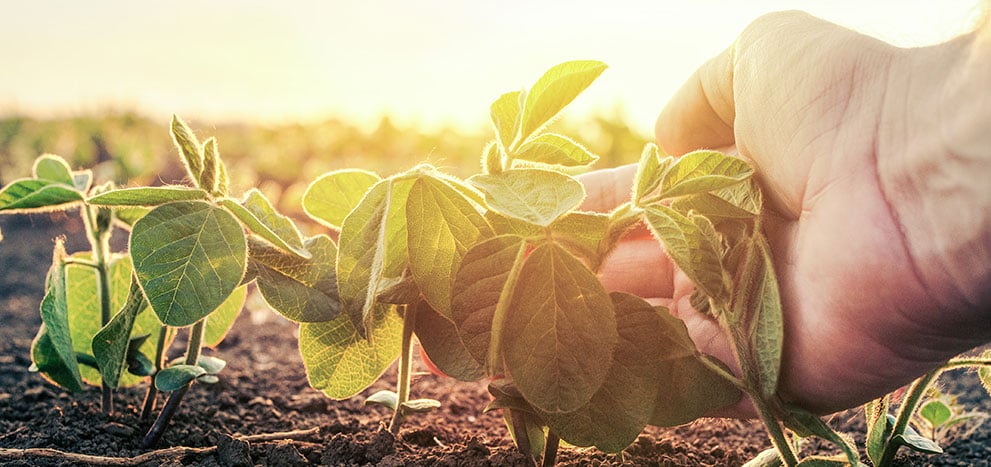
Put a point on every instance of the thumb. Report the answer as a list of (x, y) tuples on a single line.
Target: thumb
[(701, 113)]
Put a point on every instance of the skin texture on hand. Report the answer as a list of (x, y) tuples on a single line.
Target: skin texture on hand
[(831, 121)]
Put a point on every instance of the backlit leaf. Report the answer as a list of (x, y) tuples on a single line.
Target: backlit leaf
[(492, 158), (581, 233), (444, 345), (189, 148), (876, 412), (147, 196), (302, 290), (222, 319), (333, 195), (555, 90), (935, 412), (441, 226), (37, 195), (984, 373), (52, 351), (175, 377), (340, 362), (53, 168), (555, 149), (258, 214), (505, 114), (110, 344), (692, 249), (703, 171), (650, 171), (560, 332), (534, 195), (189, 256), (756, 299), (211, 163)]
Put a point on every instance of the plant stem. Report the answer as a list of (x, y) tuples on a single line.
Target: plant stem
[(778, 437), (522, 434), (550, 449), (905, 411), (100, 244), (151, 396), (405, 364), (172, 404)]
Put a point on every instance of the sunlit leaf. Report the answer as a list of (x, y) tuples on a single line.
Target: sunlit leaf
[(53, 168), (258, 214), (757, 305), (37, 195), (333, 195), (222, 319), (147, 196), (211, 165), (340, 362), (813, 425), (302, 290), (441, 226), (189, 148), (560, 332), (555, 149), (650, 171), (52, 351), (703, 171), (581, 233), (555, 90), (175, 377), (534, 195), (984, 373), (505, 115), (492, 158), (111, 343), (189, 256), (876, 412), (444, 345), (935, 412), (691, 247)]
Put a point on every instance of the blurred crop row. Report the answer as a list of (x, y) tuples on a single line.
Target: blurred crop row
[(279, 159)]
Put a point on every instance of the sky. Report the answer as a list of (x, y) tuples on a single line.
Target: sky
[(426, 62)]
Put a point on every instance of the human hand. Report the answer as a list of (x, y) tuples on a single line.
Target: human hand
[(875, 288)]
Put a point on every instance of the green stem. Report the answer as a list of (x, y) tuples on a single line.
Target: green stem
[(551, 444), (193, 350), (905, 411), (405, 364), (100, 245), (778, 437), (151, 395)]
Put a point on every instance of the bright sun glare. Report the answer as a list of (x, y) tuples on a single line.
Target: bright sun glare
[(433, 62)]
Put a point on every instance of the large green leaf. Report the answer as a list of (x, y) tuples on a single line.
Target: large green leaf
[(534, 195), (147, 196), (37, 195), (222, 319), (555, 90), (441, 226), (479, 285), (555, 149), (333, 195), (189, 256), (505, 114), (257, 212), (373, 248), (560, 332), (693, 247), (340, 362), (302, 290), (703, 171), (444, 344), (110, 344), (581, 233), (52, 351), (757, 307), (53, 168)]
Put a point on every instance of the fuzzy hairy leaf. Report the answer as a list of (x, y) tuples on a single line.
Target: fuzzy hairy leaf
[(536, 196), (693, 249), (37, 195), (555, 149), (560, 332), (302, 290), (809, 422), (189, 148), (878, 429), (650, 171), (258, 214), (757, 306), (441, 226), (110, 344), (189, 256), (554, 90), (53, 168), (582, 233), (703, 171), (340, 362), (444, 345), (147, 196), (984, 373), (332, 196), (52, 351), (211, 165), (505, 115), (222, 319)]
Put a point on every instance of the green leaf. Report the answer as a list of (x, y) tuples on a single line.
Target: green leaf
[(189, 256), (373, 247), (582, 233), (555, 90), (176, 377), (419, 406), (808, 422), (444, 345), (757, 307), (560, 332), (189, 148), (111, 343), (52, 351), (505, 114), (37, 195), (147, 196), (703, 171), (333, 195), (258, 214), (212, 365), (555, 149), (302, 290), (211, 165), (208, 379), (650, 171), (935, 412), (766, 458), (384, 398), (129, 215), (54, 169), (536, 196), (481, 282), (823, 461), (441, 226), (222, 319), (984, 372), (503, 225), (693, 248), (340, 362), (917, 442), (878, 428), (82, 180)]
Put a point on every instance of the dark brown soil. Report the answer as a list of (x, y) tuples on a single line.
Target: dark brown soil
[(264, 390)]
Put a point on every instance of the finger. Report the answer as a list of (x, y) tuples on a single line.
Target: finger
[(605, 189), (701, 113), (638, 266)]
